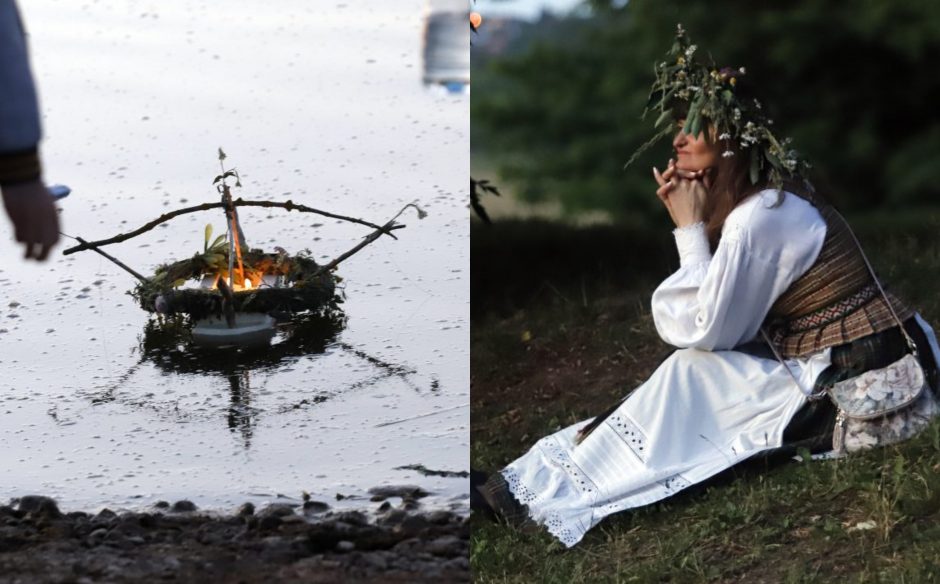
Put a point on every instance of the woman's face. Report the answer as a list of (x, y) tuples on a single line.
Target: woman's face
[(694, 153)]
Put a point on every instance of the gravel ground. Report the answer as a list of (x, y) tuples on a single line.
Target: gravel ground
[(279, 543)]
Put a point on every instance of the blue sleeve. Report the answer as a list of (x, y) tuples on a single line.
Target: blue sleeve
[(20, 129), (19, 110)]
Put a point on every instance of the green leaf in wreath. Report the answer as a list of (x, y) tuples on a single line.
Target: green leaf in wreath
[(755, 166), (696, 125), (666, 115), (693, 122)]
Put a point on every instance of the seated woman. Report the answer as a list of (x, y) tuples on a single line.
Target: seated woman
[(761, 257)]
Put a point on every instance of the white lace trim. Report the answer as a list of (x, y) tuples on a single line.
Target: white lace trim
[(556, 525), (692, 243), (553, 523), (564, 532), (570, 534), (630, 432), (690, 229), (560, 455), (522, 493)]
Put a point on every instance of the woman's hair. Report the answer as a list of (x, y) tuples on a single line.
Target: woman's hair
[(730, 184)]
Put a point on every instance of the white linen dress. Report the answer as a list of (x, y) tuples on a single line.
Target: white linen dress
[(707, 406)]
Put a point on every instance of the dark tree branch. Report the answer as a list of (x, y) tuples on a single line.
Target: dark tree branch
[(475, 187)]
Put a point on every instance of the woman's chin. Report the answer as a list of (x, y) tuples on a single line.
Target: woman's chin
[(690, 166)]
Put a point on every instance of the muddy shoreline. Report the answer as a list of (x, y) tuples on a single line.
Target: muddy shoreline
[(282, 542)]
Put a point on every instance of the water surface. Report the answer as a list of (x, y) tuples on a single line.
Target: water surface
[(321, 103)]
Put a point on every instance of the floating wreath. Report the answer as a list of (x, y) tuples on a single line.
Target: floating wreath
[(252, 280)]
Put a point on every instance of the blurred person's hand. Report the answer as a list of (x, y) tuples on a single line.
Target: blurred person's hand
[(34, 216)]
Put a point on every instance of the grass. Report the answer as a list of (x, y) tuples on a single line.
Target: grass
[(557, 339)]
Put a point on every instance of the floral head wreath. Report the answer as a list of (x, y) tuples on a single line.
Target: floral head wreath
[(709, 94)]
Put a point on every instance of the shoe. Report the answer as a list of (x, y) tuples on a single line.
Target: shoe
[(486, 501), (479, 502)]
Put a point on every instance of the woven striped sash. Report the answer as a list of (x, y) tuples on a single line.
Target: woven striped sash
[(834, 302)]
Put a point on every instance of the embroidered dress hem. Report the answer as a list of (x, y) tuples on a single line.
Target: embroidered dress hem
[(700, 413)]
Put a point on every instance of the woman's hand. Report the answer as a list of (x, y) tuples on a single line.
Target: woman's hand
[(683, 193), (665, 185), (687, 200)]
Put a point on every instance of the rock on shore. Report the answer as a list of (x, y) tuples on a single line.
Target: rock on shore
[(279, 543)]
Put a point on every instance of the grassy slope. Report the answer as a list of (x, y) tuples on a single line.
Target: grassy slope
[(557, 339)]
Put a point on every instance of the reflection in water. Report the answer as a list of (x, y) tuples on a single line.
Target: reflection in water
[(239, 410), (167, 344), (385, 369)]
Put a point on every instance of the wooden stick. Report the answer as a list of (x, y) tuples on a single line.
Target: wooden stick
[(92, 247), (289, 205), (371, 237), (368, 239)]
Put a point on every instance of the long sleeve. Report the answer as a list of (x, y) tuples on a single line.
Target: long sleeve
[(20, 128), (717, 302)]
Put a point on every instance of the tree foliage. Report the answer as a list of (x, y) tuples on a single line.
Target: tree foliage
[(851, 82)]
